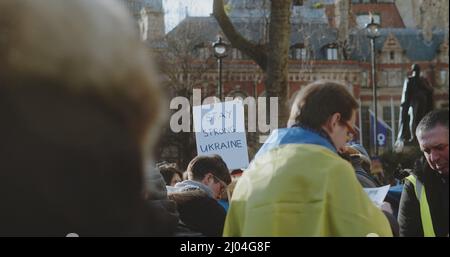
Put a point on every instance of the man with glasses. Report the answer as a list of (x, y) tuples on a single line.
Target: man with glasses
[(197, 198), (298, 185), (424, 202), (208, 173), (351, 131)]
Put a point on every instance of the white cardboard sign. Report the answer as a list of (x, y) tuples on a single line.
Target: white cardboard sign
[(220, 129)]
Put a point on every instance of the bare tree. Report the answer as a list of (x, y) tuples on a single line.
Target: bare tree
[(433, 13), (185, 61), (342, 20), (272, 57)]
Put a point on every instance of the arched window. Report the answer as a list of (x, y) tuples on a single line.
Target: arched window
[(331, 52), (237, 93), (237, 55), (202, 51), (298, 52), (392, 55), (443, 77)]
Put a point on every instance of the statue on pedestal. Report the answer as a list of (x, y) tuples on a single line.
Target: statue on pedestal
[(417, 100)]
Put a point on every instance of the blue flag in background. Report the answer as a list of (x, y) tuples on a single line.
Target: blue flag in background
[(382, 131)]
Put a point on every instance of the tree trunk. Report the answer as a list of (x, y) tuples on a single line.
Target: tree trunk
[(278, 49), (254, 51), (342, 20), (273, 59)]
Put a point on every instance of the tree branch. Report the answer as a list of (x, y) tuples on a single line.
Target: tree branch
[(254, 51)]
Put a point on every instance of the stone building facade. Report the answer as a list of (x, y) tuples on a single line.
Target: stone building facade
[(315, 53), (323, 46)]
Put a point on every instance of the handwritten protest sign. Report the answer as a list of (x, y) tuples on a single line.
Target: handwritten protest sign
[(377, 194), (220, 129)]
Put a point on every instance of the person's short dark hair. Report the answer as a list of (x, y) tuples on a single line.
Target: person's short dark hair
[(433, 119), (168, 171), (202, 165), (318, 101)]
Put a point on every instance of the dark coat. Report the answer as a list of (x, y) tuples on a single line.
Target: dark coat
[(437, 193), (199, 212)]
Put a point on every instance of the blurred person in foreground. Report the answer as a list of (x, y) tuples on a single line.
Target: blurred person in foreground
[(79, 109), (298, 185)]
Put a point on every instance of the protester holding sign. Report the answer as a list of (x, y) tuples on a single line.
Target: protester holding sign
[(297, 185)]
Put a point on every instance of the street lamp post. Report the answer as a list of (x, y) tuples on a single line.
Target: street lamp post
[(220, 52), (372, 34)]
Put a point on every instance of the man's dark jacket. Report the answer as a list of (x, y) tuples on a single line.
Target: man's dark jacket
[(436, 188)]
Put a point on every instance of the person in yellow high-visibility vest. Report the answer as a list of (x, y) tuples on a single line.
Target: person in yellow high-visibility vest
[(424, 203)]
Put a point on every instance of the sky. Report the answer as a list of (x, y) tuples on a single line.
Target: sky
[(175, 10)]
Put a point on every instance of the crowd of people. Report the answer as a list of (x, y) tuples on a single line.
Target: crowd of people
[(81, 108)]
